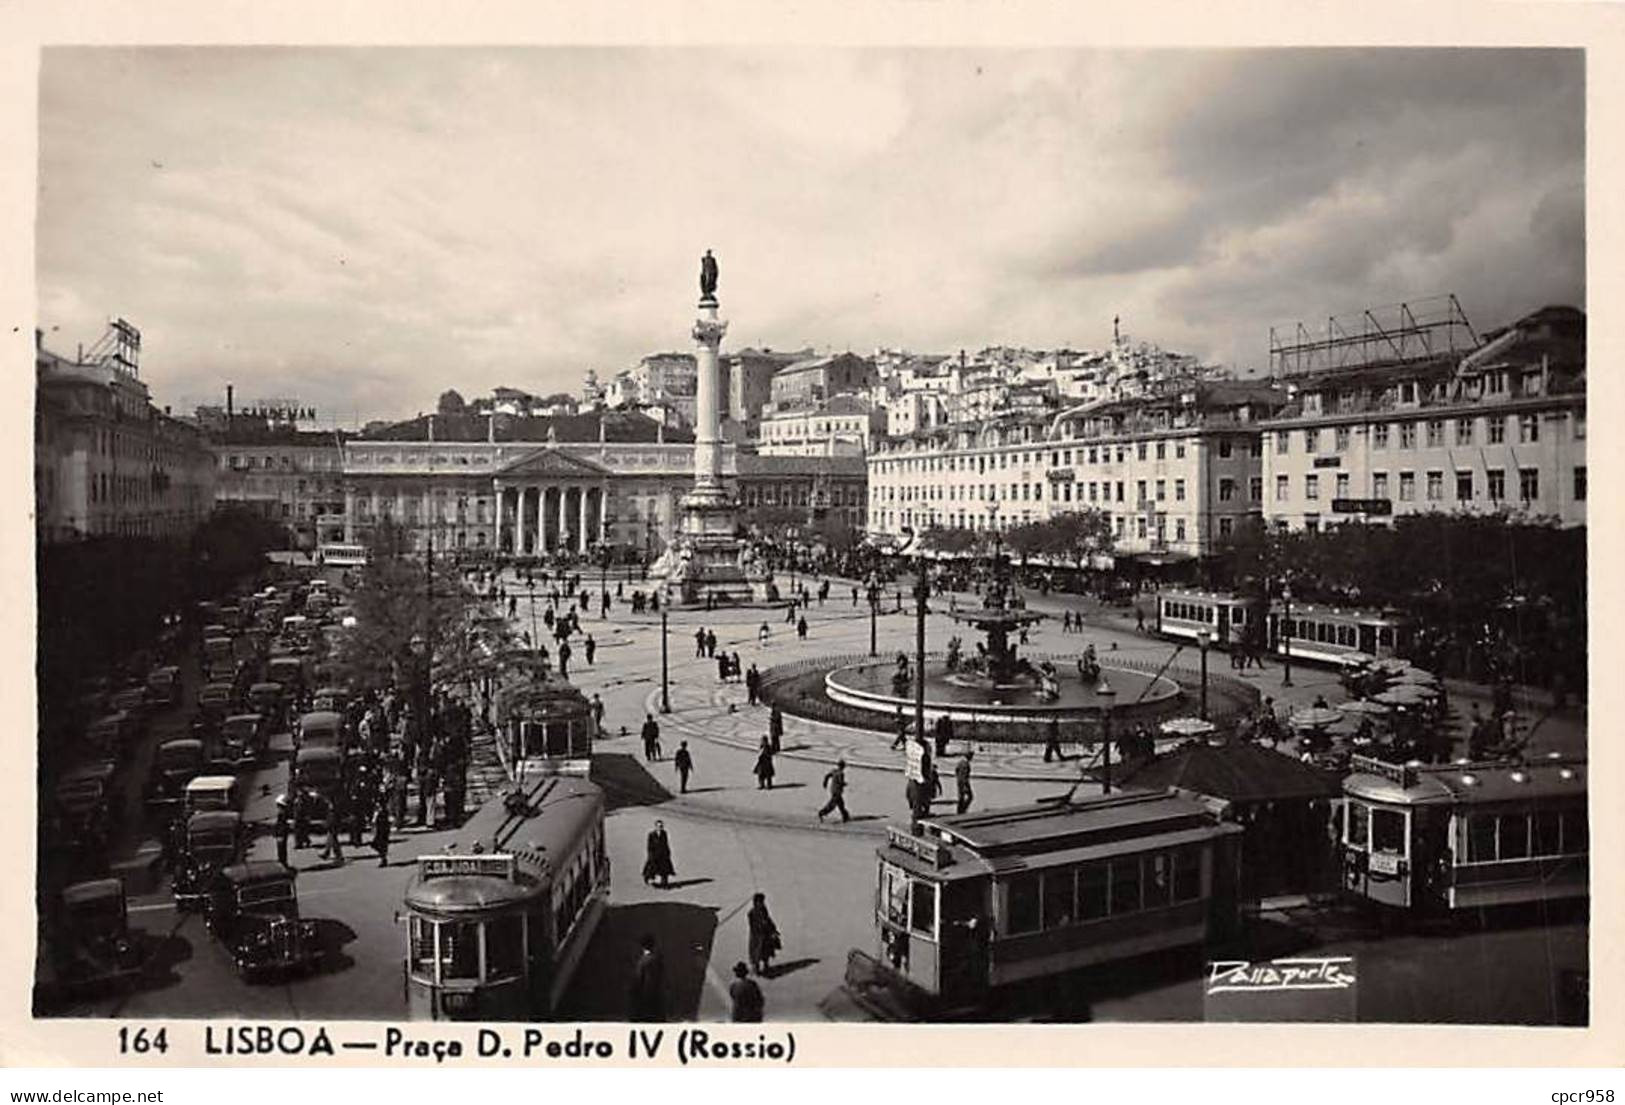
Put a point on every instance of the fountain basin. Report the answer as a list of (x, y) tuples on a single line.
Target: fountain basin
[(869, 687)]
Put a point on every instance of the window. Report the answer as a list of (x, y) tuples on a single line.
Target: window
[(459, 950), (1226, 526), (1091, 891), (1514, 842), (1227, 489), (1162, 450), (422, 947), (1359, 822), (1496, 484), (923, 911), (1140, 528), (1435, 432), (1481, 837), (1580, 483), (1119, 490), (1528, 484), (1576, 832), (1282, 484), (1139, 450), (1255, 488), (1580, 426), (1023, 894), (1407, 435), (1379, 436), (1179, 447), (1311, 440), (1464, 487), (1158, 879), (1464, 431), (504, 947), (1224, 447), (1528, 429), (1311, 486), (1281, 438), (1139, 491), (1340, 439), (1496, 426), (1179, 529), (1187, 874), (1125, 884), (1342, 485), (1435, 486), (1179, 491), (1059, 892), (1162, 490)]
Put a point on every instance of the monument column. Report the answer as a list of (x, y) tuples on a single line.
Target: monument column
[(708, 332)]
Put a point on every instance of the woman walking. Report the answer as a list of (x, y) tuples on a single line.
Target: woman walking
[(764, 766), (380, 835), (764, 934), (657, 858)]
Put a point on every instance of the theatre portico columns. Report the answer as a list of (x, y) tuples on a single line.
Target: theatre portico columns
[(550, 502)]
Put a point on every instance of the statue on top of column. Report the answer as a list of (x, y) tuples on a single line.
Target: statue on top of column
[(708, 277)]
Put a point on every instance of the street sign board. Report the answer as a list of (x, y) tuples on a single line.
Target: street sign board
[(1362, 506), (1328, 462), (916, 761)]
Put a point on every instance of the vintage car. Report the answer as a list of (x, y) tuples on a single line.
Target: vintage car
[(330, 698), (244, 739), (270, 700), (217, 698), (214, 841), (212, 792), (132, 700), (219, 656), (90, 941), (288, 670), (319, 770), (109, 736), (164, 686), (86, 801), (175, 763), (319, 729), (253, 909)]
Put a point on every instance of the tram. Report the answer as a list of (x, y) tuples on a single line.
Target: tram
[(975, 901), (1337, 635), (547, 727), (1186, 614), (1446, 837), (496, 934)]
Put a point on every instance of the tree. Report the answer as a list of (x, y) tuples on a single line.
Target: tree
[(1074, 537), (953, 540), (451, 402)]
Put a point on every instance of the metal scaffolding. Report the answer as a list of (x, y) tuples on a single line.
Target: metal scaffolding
[(1419, 330)]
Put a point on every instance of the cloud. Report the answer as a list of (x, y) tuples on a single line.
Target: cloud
[(366, 227)]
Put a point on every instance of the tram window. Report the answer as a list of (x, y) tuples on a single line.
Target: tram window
[(1385, 637), (1360, 825), (422, 949), (1576, 833), (1126, 885), (1187, 874), (1548, 839), (459, 950), (1345, 635), (1387, 831), (894, 895), (1514, 836), (1092, 891), (1480, 838), (1059, 892), (1158, 880), (504, 947), (923, 918), (1023, 904)]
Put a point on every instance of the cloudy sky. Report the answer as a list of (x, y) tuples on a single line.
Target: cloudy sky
[(361, 229)]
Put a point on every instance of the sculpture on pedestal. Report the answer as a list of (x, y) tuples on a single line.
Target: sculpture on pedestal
[(708, 278)]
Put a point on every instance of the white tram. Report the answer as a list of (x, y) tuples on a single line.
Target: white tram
[(1444, 837), (1186, 614), (1336, 635)]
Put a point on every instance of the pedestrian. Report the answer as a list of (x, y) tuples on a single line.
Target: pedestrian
[(335, 848), (380, 835), (902, 731), (1052, 742), (699, 644), (598, 711), (710, 642), (753, 685), (775, 726), (591, 648), (738, 667), (301, 820), (724, 665), (358, 818), (564, 658), (648, 992), (657, 856), (746, 996), (854, 595), (762, 635), (962, 790), (944, 734), (835, 783), (684, 763), (1139, 620), (281, 829), (765, 941), (764, 765), (801, 628)]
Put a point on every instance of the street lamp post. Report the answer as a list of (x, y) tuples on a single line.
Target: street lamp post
[(665, 694), (1204, 638), (1107, 696), (1286, 636), (790, 534), (874, 609)]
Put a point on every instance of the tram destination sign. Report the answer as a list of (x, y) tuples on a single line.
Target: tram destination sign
[(933, 852), (1362, 506), (496, 865)]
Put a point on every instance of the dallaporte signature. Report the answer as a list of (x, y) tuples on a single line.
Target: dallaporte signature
[(1323, 973)]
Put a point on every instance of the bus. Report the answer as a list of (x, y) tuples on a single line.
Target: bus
[(342, 556), (968, 903), (1438, 838)]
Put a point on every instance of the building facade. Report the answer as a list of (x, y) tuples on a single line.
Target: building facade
[(293, 477), (106, 460), (1173, 473), (1499, 430), (842, 426), (806, 383), (748, 380), (816, 486)]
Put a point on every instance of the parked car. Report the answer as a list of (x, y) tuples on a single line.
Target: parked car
[(214, 841), (253, 908), (91, 945), (175, 764), (244, 739)]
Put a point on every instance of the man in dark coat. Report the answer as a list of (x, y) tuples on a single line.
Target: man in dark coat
[(764, 941), (775, 728), (657, 857), (835, 783), (380, 835), (648, 992), (651, 736), (684, 763), (746, 996)]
